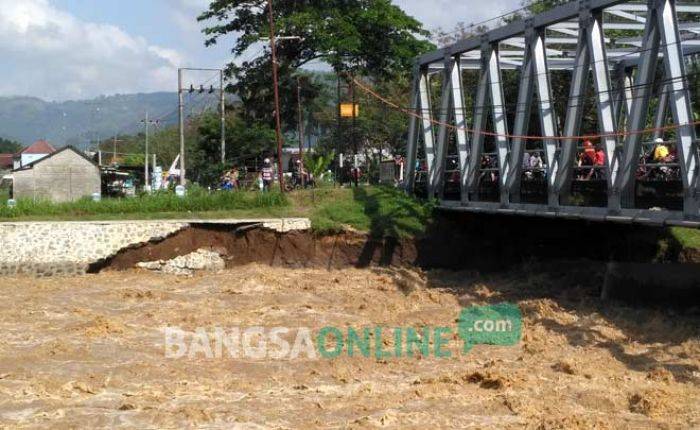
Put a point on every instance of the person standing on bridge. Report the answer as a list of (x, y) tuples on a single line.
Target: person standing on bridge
[(599, 162), (586, 158), (661, 151)]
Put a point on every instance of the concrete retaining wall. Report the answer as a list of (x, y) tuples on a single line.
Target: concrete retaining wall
[(67, 248)]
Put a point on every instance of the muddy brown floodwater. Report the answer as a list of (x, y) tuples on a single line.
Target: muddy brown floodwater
[(88, 352)]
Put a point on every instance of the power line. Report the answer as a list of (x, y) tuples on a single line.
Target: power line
[(522, 137), (587, 98)]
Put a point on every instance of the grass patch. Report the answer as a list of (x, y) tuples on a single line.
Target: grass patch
[(337, 209), (144, 206), (687, 237), (381, 211)]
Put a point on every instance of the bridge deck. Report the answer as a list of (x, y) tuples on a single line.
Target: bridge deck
[(624, 216)]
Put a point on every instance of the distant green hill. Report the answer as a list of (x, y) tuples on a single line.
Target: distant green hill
[(27, 119)]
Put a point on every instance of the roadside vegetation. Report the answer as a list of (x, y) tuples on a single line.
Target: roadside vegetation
[(687, 237), (381, 211), (162, 204)]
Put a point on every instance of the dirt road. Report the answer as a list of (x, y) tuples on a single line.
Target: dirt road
[(90, 352)]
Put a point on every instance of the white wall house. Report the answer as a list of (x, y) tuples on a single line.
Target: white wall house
[(32, 153)]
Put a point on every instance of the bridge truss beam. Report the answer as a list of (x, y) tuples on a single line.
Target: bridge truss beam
[(623, 71)]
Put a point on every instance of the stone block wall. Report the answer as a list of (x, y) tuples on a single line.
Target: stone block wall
[(68, 248)]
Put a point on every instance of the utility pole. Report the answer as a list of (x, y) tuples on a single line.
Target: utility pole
[(278, 121), (115, 140), (181, 110), (223, 118), (336, 178), (147, 122), (354, 137), (301, 133), (181, 113)]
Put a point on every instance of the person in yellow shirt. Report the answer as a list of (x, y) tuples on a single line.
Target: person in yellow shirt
[(660, 151)]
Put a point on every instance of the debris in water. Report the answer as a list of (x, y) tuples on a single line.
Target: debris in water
[(186, 265)]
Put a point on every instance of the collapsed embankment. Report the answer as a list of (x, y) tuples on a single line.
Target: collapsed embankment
[(635, 261), (453, 241), (70, 248)]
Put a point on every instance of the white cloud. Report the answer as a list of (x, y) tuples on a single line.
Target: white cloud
[(447, 13), (51, 54), (183, 14)]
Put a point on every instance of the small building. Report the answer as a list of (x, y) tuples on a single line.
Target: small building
[(32, 153), (6, 163), (65, 175)]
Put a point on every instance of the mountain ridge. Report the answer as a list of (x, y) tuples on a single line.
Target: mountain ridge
[(27, 119)]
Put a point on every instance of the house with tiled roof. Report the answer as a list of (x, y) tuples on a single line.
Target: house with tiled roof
[(32, 153)]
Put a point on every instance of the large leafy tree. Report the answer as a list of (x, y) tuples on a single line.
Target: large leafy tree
[(242, 141), (362, 37), (9, 146)]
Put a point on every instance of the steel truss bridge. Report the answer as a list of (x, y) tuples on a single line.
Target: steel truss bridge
[(460, 148)]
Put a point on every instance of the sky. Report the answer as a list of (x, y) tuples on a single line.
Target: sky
[(80, 49)]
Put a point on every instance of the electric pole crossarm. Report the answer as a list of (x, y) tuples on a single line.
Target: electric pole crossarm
[(181, 110)]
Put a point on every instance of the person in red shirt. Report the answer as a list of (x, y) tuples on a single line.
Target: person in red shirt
[(599, 157), (586, 158), (598, 162)]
